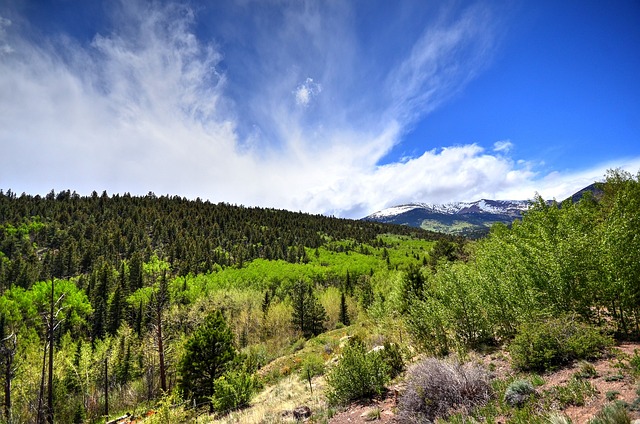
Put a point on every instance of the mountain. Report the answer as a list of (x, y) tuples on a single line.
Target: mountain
[(459, 218), (469, 219)]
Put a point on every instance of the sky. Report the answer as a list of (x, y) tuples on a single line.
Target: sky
[(338, 107)]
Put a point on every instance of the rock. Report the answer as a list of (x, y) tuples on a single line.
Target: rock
[(301, 412), (378, 348)]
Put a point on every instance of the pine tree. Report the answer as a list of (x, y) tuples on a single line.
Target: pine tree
[(308, 314), (344, 314), (207, 354)]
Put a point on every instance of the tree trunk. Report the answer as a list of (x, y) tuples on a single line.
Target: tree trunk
[(9, 353), (106, 388), (163, 375), (40, 417), (50, 381)]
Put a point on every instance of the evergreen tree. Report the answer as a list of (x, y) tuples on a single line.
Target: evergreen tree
[(207, 354), (135, 272), (308, 314), (344, 314)]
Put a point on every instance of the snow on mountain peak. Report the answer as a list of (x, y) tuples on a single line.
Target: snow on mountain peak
[(504, 207)]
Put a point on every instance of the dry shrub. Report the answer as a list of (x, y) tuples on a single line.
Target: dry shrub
[(437, 388)]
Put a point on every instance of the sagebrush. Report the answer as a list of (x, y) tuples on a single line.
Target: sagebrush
[(435, 388)]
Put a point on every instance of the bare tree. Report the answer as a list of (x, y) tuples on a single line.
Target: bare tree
[(8, 347)]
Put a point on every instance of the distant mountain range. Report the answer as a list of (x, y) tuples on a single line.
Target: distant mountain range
[(470, 219)]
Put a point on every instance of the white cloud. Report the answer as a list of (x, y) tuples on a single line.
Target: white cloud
[(502, 146), (146, 107), (5, 48), (447, 55), (306, 91)]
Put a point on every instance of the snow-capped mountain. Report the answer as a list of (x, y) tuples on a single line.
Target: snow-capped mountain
[(501, 207), (464, 218)]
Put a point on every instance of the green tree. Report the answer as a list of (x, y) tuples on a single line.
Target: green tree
[(308, 314), (344, 313), (207, 355)]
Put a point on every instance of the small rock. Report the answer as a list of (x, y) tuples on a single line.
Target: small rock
[(301, 412)]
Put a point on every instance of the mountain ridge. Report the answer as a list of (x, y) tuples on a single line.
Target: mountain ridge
[(469, 219)]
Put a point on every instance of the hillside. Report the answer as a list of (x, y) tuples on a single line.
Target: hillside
[(172, 310), (136, 275)]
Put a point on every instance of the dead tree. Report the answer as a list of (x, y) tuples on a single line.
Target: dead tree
[(8, 347)]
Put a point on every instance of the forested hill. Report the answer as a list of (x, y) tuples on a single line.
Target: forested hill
[(64, 234)]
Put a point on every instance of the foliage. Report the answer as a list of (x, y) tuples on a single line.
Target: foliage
[(312, 366), (545, 345), (634, 363), (586, 370), (207, 354), (109, 253), (308, 314), (435, 388), (575, 392), (392, 356), (359, 374), (233, 390), (518, 392), (613, 413), (167, 412)]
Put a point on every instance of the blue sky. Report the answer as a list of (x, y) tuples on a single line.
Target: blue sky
[(334, 107)]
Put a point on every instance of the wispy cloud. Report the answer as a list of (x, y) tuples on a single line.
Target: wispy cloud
[(306, 91), (448, 54), (290, 123), (502, 146), (4, 47)]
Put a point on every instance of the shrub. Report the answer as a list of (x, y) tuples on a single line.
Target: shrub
[(312, 366), (555, 418), (575, 392), (166, 412), (542, 346), (614, 413), (392, 356), (518, 392), (435, 388), (233, 390), (611, 395), (358, 374), (587, 370), (634, 363)]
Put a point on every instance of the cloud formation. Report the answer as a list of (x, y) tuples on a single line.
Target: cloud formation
[(151, 106), (306, 91)]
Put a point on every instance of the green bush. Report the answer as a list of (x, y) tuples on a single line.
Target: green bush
[(233, 390), (575, 392), (556, 418), (614, 413), (312, 366), (634, 363), (392, 356), (518, 392), (586, 370), (358, 375), (546, 345)]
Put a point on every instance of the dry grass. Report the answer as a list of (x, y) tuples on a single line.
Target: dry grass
[(269, 405)]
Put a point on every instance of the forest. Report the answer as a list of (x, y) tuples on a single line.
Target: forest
[(115, 304)]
